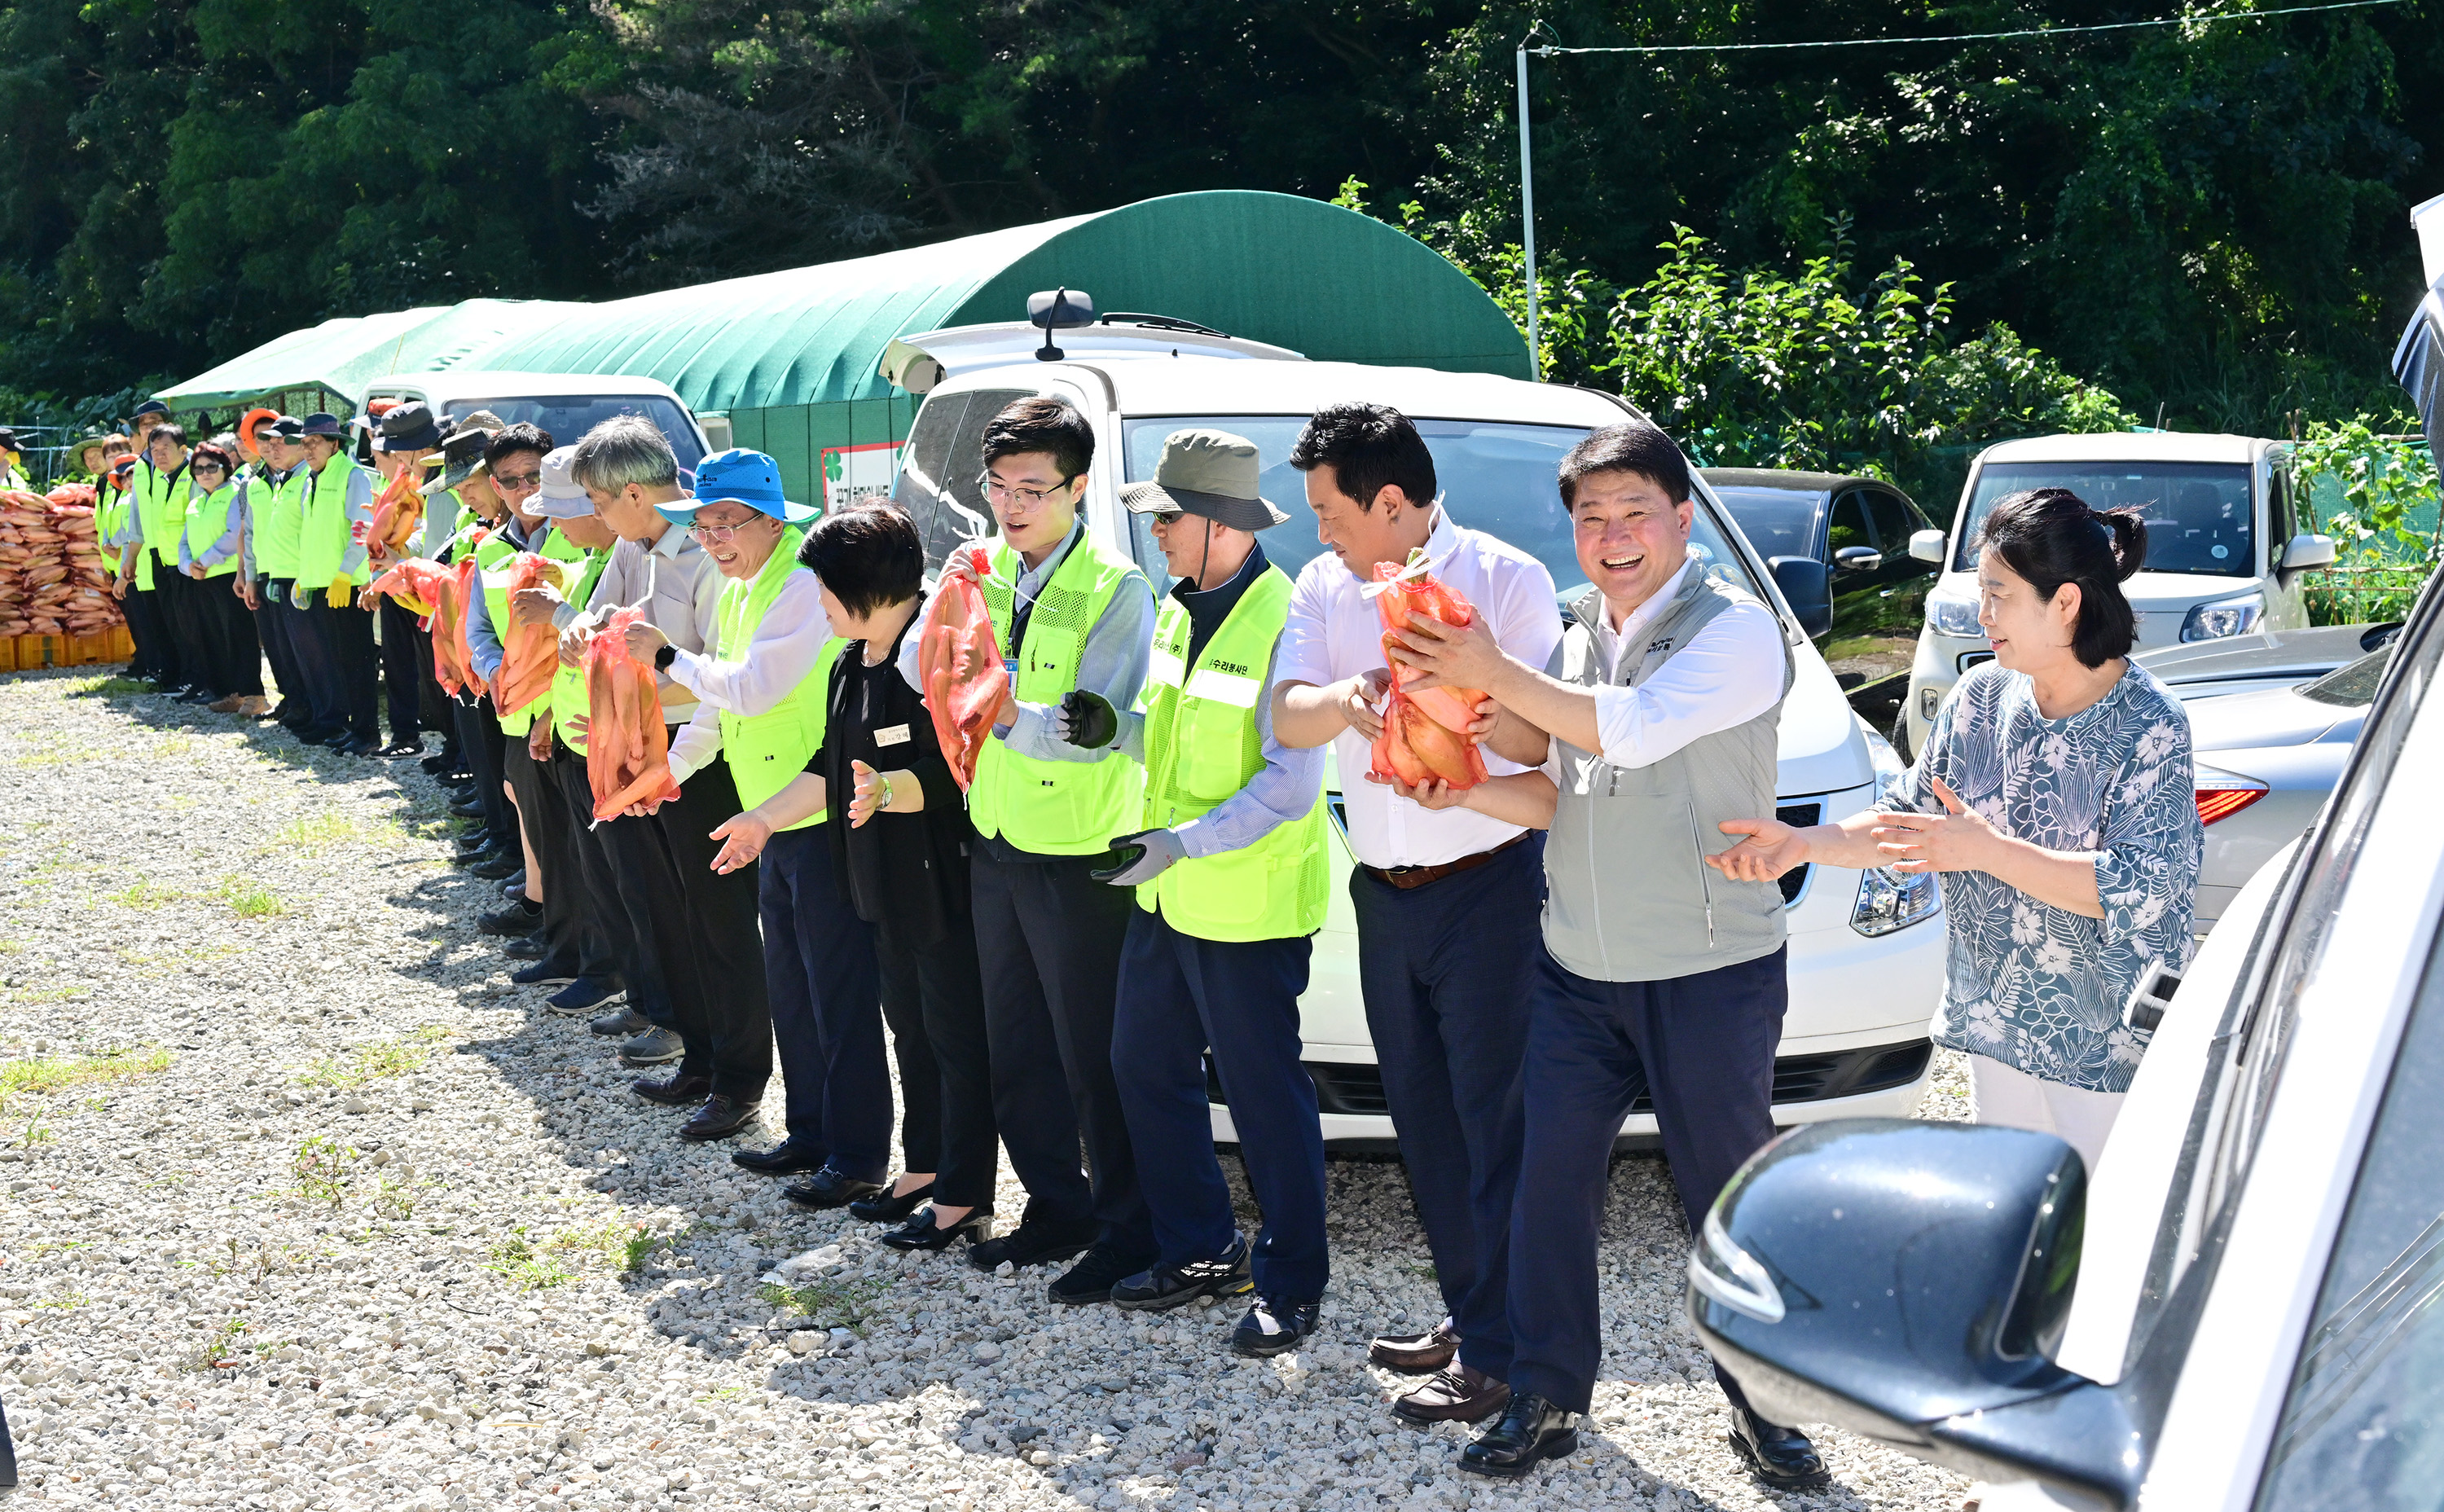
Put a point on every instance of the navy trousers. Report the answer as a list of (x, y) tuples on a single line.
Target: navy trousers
[(933, 1000), (1180, 996), (827, 996), (1049, 939), (182, 608), (1447, 1007), (403, 650), (1704, 1045), (318, 668), (574, 936), (630, 951), (345, 637), (479, 736), (142, 607), (272, 624)]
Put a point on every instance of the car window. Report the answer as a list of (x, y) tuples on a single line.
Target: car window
[(1494, 478), (567, 417), (2355, 1433), (2198, 514), (2353, 685), (1778, 522), (1895, 523), (1848, 526), (938, 465)]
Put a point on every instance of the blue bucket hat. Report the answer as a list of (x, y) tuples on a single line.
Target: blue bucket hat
[(739, 476)]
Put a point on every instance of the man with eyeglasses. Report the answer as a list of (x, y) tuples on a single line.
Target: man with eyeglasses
[(1075, 622)]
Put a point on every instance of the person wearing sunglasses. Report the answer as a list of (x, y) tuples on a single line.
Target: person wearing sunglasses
[(210, 553)]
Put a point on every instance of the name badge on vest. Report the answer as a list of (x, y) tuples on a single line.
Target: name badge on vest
[(1009, 668), (892, 735)]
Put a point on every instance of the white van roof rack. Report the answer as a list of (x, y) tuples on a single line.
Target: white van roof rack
[(918, 362)]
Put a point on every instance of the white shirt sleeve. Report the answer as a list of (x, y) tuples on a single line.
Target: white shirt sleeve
[(698, 742), (1303, 653), (1729, 674), (779, 656)]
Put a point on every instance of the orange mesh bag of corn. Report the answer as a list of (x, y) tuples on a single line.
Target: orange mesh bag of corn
[(529, 652), (960, 664), (451, 667), (1423, 737), (416, 582), (397, 513), (627, 746)]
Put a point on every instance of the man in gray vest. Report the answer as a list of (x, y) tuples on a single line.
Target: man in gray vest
[(1656, 719)]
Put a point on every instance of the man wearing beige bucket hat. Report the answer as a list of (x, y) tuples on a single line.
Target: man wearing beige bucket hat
[(1230, 882)]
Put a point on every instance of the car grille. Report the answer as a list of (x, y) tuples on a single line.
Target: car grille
[(1357, 1089)]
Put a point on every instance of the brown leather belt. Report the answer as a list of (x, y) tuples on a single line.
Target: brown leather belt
[(1405, 877)]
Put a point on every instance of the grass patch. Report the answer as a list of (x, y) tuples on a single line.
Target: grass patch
[(846, 1303), (320, 1168), (110, 686), (526, 1265), (57, 994), (331, 830), (372, 1062), (55, 750), (622, 1243), (145, 895), (250, 899), (48, 1073)]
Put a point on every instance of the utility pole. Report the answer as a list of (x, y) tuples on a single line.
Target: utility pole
[(1527, 213)]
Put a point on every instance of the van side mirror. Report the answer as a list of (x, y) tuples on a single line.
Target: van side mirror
[(2307, 550), (1806, 583), (1905, 1279), (1927, 546), (1060, 309)]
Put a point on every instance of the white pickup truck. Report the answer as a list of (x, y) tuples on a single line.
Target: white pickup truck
[(1866, 952)]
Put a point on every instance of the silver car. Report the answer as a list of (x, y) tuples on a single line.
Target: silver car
[(2265, 658)]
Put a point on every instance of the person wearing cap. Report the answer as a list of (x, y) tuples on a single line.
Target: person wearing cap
[(272, 523), (12, 473), (110, 512), (1447, 899), (149, 565), (405, 435), (759, 690), (461, 489), (1070, 614), (211, 552), (337, 651), (1228, 871), (628, 472), (148, 415)]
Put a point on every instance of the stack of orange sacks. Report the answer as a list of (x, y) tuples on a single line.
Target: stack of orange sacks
[(51, 582), (627, 746), (1424, 737), (960, 664)]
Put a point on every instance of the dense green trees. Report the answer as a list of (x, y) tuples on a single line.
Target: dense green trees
[(2208, 219)]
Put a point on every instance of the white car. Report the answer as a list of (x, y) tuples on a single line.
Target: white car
[(2240, 1309), (2223, 551), (565, 405), (1866, 952)]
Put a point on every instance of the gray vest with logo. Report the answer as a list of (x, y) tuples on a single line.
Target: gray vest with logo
[(1631, 899)]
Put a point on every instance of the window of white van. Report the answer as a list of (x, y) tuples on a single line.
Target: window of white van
[(1494, 478), (939, 465), (2198, 513), (566, 417)]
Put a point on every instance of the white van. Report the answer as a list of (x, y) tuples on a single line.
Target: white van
[(2224, 552), (1866, 955), (565, 405)]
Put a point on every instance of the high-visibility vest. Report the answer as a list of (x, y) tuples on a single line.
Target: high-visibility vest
[(109, 513), (767, 750), (208, 520), (1201, 746), (569, 697), (491, 561), (323, 534), (160, 515), (1054, 808), (279, 511)]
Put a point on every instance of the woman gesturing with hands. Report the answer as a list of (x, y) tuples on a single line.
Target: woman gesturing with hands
[(2055, 798)]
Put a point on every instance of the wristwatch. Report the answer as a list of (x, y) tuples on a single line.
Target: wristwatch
[(663, 657)]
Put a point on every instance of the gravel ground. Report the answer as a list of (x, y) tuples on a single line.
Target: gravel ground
[(301, 1204)]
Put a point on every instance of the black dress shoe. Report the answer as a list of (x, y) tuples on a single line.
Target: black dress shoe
[(194, 696), (469, 807), (525, 948), (342, 738), (478, 844), (788, 1156), (1030, 1244), (501, 865), (368, 747), (1781, 1457), (512, 919), (674, 1090), (1164, 1288), (1529, 1432), (721, 1117), (922, 1232), (882, 1207), (440, 763), (828, 1187)]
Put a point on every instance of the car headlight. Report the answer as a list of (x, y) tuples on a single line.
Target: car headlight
[(1954, 617), (1890, 900), (2225, 617)]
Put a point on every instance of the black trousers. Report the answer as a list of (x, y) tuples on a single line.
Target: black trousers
[(480, 737), (345, 635), (574, 938), (1447, 1009), (142, 607), (433, 711), (646, 884), (272, 618), (826, 998), (190, 662), (1180, 997), (934, 999), (400, 657), (229, 638), (628, 952), (1049, 939), (1704, 1045), (704, 938)]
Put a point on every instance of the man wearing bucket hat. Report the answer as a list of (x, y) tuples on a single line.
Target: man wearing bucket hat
[(274, 522), (338, 647), (812, 978), (459, 500), (1229, 880)]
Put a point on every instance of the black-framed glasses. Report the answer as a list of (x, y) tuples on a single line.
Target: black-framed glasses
[(1024, 498)]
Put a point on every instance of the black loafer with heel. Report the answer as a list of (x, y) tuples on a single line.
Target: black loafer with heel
[(922, 1232), (882, 1207)]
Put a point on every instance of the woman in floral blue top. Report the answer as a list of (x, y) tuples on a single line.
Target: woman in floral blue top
[(2055, 796)]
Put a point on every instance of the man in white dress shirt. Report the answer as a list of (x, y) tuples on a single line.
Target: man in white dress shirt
[(1446, 899)]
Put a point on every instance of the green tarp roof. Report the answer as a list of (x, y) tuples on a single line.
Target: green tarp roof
[(1330, 283)]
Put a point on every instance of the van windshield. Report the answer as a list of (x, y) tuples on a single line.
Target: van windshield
[(567, 417), (1494, 477), (2197, 512)]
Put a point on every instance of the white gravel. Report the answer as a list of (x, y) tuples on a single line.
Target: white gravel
[(201, 1306)]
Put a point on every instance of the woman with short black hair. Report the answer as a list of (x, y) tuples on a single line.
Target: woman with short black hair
[(2055, 796)]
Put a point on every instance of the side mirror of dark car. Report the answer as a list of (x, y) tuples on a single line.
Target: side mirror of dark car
[(1906, 1281), (1806, 583), (1857, 558)]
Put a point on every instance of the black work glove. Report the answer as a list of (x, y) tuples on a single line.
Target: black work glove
[(1087, 721)]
